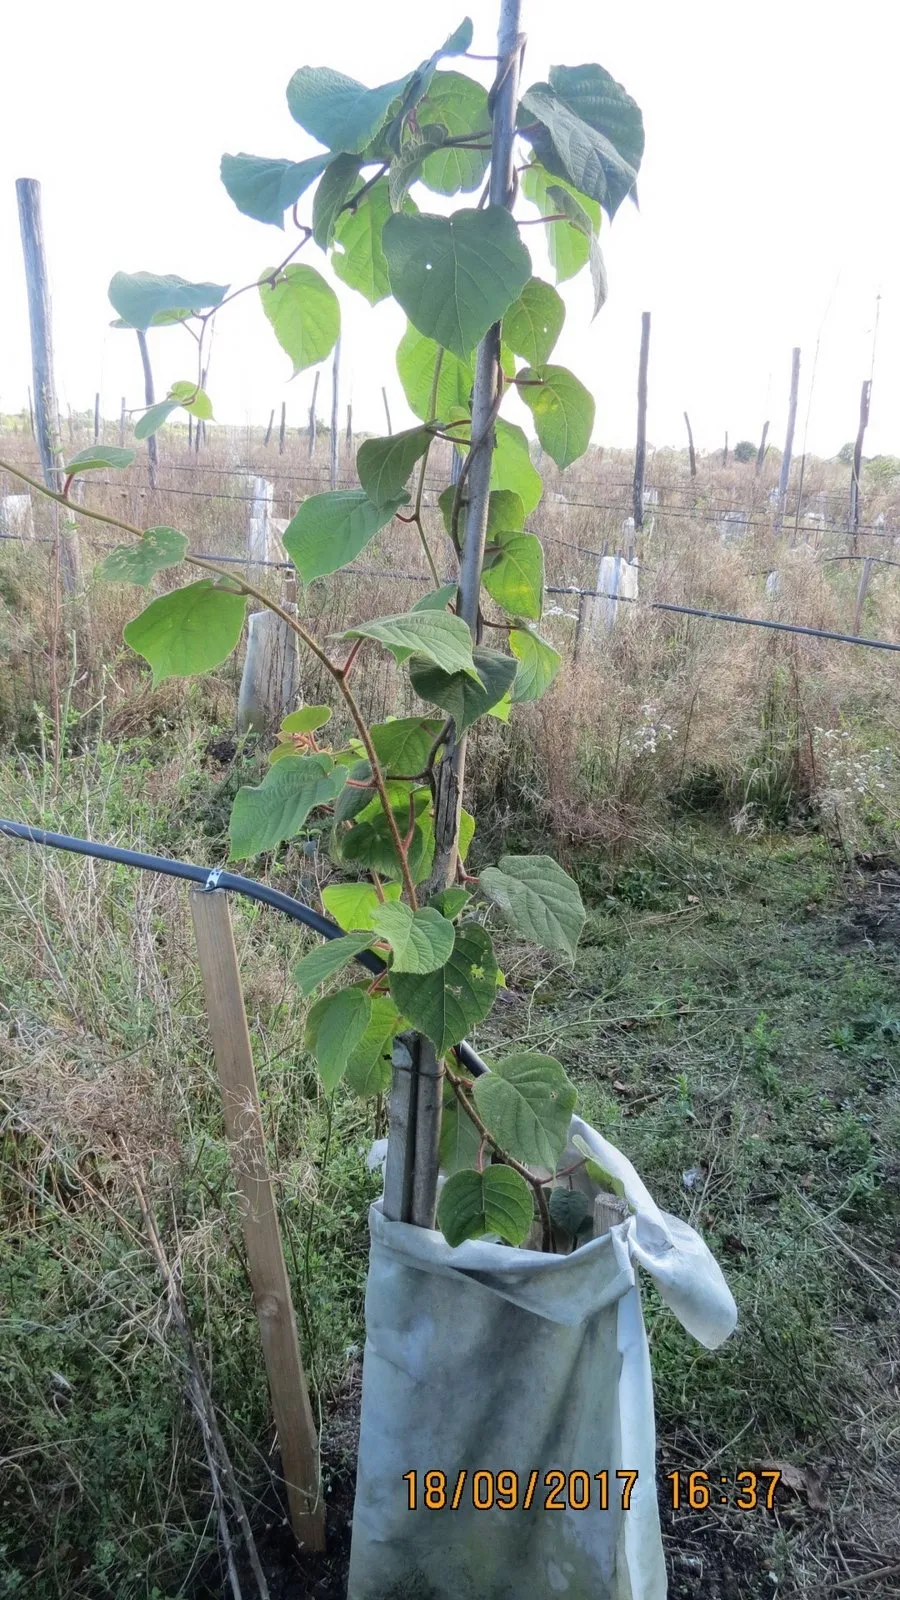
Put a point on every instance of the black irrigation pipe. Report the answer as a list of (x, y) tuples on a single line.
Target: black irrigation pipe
[(216, 878)]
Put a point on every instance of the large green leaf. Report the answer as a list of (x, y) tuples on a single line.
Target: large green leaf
[(445, 1004), (304, 312), (455, 276), (506, 511), (338, 111), (512, 466), (460, 1139), (370, 842), (328, 959), (526, 1102), (138, 563), (515, 579), (335, 186), (571, 149), (277, 809), (496, 1201), (403, 746), (458, 694), (265, 189), (568, 242), (538, 664), (461, 105), (604, 105), (97, 457), (353, 905), (540, 899), (192, 399), (563, 411), (440, 638), (334, 1028), (330, 529), (153, 418), (416, 358), (421, 941), (140, 296), (533, 324), (369, 1064), (357, 257), (384, 465), (307, 720), (188, 631)]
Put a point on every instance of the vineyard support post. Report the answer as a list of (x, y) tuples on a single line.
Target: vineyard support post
[(640, 450), (785, 475), (149, 400), (864, 399)]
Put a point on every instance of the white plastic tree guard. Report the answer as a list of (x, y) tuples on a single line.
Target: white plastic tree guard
[(616, 578), (259, 518), (514, 1386), (17, 516), (271, 677)]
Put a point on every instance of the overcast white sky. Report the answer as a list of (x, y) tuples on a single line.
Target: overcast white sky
[(768, 216)]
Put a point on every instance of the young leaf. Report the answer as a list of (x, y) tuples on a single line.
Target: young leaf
[(140, 296), (516, 578), (370, 842), (450, 902), (526, 1102), (568, 243), (277, 809), (533, 324), (334, 1028), (598, 275), (506, 511), (331, 529), (455, 276), (473, 1204), (461, 105), (357, 257), (353, 905), (460, 1139), (138, 563), (595, 1172), (265, 189), (416, 358), (192, 399), (438, 599), (459, 695), (420, 940), (384, 465), (327, 959), (304, 312), (538, 664), (402, 746), (368, 1069), (338, 111), (442, 639), (512, 467), (540, 899), (445, 1004), (153, 419), (563, 411), (306, 720), (335, 186), (98, 456), (570, 1211), (188, 631), (571, 149), (407, 166)]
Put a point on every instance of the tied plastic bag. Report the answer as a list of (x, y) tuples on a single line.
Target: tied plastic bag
[(493, 1361)]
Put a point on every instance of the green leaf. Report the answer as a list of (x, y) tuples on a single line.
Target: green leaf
[(598, 275), (384, 465), (516, 578), (331, 529), (459, 41), (402, 746), (450, 902), (540, 899), (570, 148), (533, 324), (262, 817), (335, 185), (334, 1028), (460, 1139), (461, 105), (370, 842), (98, 456), (473, 1204), (338, 111), (353, 905), (563, 411), (138, 563), (563, 199), (265, 189), (526, 1102), (407, 166), (327, 959), (188, 631), (594, 96), (445, 1004), (455, 276), (138, 297), (416, 357), (596, 1173), (357, 257), (512, 467), (538, 664), (438, 599), (352, 800), (369, 1065), (570, 1211), (306, 720), (421, 941), (502, 709), (304, 312), (506, 511), (440, 638), (568, 243), (466, 832), (192, 398), (460, 696), (153, 419)]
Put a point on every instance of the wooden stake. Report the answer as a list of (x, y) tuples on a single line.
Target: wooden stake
[(350, 429), (269, 428), (761, 452), (725, 451), (122, 421), (335, 441), (312, 417), (96, 418), (864, 577), (640, 451), (149, 399), (691, 451), (387, 410), (785, 475), (30, 412), (864, 399), (281, 430), (262, 1240)]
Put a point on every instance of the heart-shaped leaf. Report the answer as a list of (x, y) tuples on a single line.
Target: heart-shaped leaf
[(440, 638), (191, 399), (153, 418), (98, 456), (334, 1028), (461, 105), (563, 411), (534, 322), (540, 899), (357, 257), (277, 809), (538, 664), (455, 276), (306, 720), (331, 529), (328, 959), (304, 312), (138, 297), (368, 1070), (416, 360), (473, 1204), (570, 1211), (459, 695), (421, 941), (516, 578), (265, 189), (526, 1103), (571, 149), (384, 465), (512, 467), (445, 1004), (403, 746), (338, 111), (138, 563), (601, 102), (188, 631), (335, 186), (353, 905)]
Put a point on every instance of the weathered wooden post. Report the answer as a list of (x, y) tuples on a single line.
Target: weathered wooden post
[(269, 429), (96, 419), (46, 409), (761, 452), (350, 429), (725, 451), (785, 475), (312, 417), (864, 400), (123, 418), (640, 451), (692, 455), (283, 428), (149, 400), (861, 593), (387, 410), (30, 412), (335, 441)]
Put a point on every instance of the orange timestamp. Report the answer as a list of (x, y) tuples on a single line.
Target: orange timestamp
[(750, 1490), (580, 1490)]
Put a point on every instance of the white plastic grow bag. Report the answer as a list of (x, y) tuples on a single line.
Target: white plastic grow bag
[(498, 1361)]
